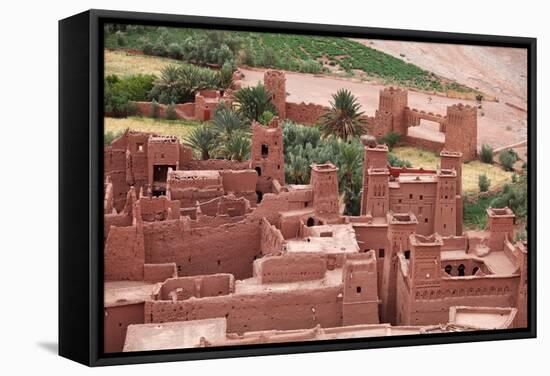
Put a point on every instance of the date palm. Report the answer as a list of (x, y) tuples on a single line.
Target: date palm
[(252, 102), (237, 147), (344, 119), (226, 122), (203, 139)]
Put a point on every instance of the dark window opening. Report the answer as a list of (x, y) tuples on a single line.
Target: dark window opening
[(139, 146), (259, 196), (358, 289), (461, 268), (411, 196), (425, 220), (306, 204), (449, 269), (259, 171), (474, 270), (265, 150), (381, 252), (219, 262), (421, 197), (160, 172), (310, 222), (278, 167), (407, 254)]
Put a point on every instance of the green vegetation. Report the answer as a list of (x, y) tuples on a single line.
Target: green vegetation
[(484, 183), (344, 119), (118, 91), (155, 110), (204, 140), (513, 195), (390, 139), (299, 53), (109, 136), (304, 146), (253, 102), (486, 154), (507, 158), (180, 83), (226, 122), (237, 147), (171, 112)]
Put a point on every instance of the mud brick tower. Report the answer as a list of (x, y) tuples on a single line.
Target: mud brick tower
[(376, 158), (445, 207), (461, 130), (324, 181), (390, 116), (275, 83), (501, 227), (360, 298), (400, 227), (267, 156), (451, 160)]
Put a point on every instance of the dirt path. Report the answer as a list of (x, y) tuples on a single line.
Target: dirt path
[(501, 124)]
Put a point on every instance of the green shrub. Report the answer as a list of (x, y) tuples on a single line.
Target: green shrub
[(507, 158), (225, 75), (132, 109), (390, 139), (121, 39), (266, 117), (174, 51), (155, 110), (483, 183), (171, 112), (486, 154), (395, 161), (109, 137)]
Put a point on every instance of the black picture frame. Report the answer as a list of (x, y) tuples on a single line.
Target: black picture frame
[(81, 186)]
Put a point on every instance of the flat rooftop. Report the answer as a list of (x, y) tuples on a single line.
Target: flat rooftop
[(416, 178), (195, 174), (118, 293), (254, 285), (328, 239), (483, 317), (174, 335)]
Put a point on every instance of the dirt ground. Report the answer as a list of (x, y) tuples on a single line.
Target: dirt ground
[(495, 71)]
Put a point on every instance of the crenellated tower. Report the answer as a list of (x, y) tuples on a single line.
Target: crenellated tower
[(275, 83), (461, 130), (324, 181), (390, 116)]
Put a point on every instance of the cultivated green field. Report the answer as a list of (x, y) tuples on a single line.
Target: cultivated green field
[(178, 128), (301, 53)]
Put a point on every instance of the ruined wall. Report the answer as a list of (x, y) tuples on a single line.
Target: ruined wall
[(229, 248), (124, 254), (305, 113), (115, 323), (183, 288), (297, 309), (271, 238), (159, 272), (216, 164), (290, 268), (360, 291), (114, 161), (238, 181), (158, 208)]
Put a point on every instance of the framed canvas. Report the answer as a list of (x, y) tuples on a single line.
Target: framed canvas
[(236, 187)]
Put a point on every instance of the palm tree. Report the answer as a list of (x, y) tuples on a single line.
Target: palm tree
[(297, 169), (252, 102), (203, 140), (350, 168), (237, 147), (226, 122), (343, 119)]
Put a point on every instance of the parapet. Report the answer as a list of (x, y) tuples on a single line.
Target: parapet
[(459, 111), (324, 168), (417, 240), (402, 218), (500, 213)]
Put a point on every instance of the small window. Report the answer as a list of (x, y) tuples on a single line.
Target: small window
[(265, 150), (448, 269), (421, 197), (411, 196), (474, 270), (461, 268), (381, 252), (400, 201), (358, 289), (310, 222), (306, 204), (278, 167), (407, 254), (258, 170), (444, 225), (139, 146), (426, 220)]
